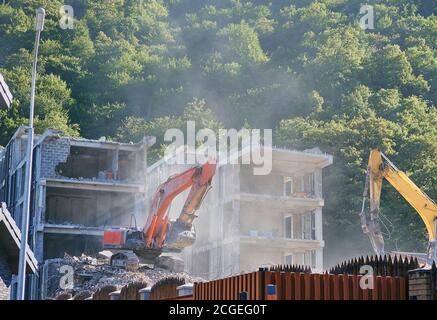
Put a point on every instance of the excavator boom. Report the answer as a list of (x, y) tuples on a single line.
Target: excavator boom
[(159, 233), (379, 167), (199, 179)]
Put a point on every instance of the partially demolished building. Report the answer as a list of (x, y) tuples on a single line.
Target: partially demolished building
[(248, 221), (79, 187)]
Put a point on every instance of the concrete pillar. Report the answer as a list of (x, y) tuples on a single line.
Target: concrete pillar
[(318, 183), (139, 208), (34, 284), (318, 223), (319, 260), (13, 288), (38, 247), (44, 279), (212, 268), (298, 182), (39, 220), (114, 163), (319, 236), (221, 233)]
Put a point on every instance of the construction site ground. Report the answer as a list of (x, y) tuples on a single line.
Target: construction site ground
[(93, 273)]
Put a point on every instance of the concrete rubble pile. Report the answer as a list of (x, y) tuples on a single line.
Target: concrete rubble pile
[(93, 273)]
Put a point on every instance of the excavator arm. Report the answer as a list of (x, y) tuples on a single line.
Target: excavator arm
[(379, 167), (158, 228), (159, 233)]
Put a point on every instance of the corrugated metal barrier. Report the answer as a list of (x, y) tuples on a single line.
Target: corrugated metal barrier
[(229, 288), (166, 288), (301, 286)]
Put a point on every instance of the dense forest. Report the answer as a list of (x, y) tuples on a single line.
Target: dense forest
[(304, 68)]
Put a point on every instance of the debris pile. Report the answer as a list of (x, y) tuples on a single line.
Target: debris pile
[(170, 263), (91, 274)]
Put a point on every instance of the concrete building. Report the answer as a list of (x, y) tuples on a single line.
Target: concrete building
[(248, 221), (79, 187)]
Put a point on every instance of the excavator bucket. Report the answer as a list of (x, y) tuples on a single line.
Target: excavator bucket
[(147, 255)]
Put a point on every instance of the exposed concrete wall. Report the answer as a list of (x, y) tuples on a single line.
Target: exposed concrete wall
[(255, 219), (79, 162), (53, 152), (271, 184), (214, 261), (88, 208), (318, 183), (252, 257), (222, 220), (55, 245)]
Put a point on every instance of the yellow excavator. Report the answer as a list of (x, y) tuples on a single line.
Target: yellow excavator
[(379, 167)]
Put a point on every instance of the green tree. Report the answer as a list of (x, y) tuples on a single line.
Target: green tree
[(243, 44), (52, 101)]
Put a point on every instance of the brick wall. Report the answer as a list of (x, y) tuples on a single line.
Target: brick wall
[(52, 153), (5, 276)]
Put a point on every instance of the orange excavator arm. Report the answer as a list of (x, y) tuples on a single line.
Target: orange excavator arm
[(156, 231), (159, 233)]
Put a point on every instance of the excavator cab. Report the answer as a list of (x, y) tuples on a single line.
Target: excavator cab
[(125, 241)]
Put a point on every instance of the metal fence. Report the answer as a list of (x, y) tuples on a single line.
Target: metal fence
[(275, 285), (229, 288), (301, 286)]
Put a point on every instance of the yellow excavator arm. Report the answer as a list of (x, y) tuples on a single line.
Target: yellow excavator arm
[(380, 167)]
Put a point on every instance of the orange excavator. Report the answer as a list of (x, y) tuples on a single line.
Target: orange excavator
[(160, 234)]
